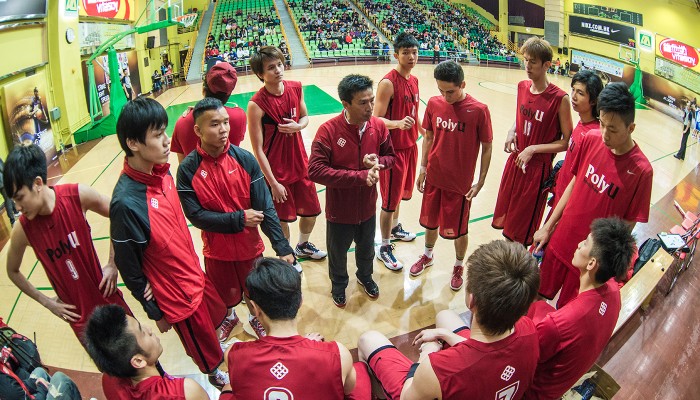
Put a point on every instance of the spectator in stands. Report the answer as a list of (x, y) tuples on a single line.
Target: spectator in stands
[(436, 52)]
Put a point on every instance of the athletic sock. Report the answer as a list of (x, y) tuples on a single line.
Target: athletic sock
[(232, 315), (428, 252), (386, 242), (394, 223), (458, 262), (303, 238)]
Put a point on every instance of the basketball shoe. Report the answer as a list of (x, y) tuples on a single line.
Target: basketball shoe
[(457, 281), (257, 327), (398, 233), (227, 326), (420, 265), (309, 250), (385, 253), (218, 379)]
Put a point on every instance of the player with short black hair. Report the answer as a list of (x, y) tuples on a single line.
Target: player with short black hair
[(456, 127), (53, 224), (284, 362), (612, 177), (396, 103), (153, 246), (572, 337), (223, 193), (127, 353)]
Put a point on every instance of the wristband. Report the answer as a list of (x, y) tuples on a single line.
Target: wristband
[(422, 169)]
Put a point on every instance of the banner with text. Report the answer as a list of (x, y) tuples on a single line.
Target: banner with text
[(112, 9), (678, 52), (600, 29)]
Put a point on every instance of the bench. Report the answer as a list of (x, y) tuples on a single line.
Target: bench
[(637, 293)]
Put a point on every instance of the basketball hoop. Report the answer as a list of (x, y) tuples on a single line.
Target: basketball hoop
[(186, 20)]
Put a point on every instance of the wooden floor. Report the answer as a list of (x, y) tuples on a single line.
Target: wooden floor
[(406, 304)]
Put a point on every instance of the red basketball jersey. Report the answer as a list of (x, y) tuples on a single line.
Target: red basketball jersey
[(286, 368), (404, 103), (153, 388), (499, 370), (564, 175), (606, 185), (459, 129), (63, 244), (572, 338), (537, 119), (285, 153)]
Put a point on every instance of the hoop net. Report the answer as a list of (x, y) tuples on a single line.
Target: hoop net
[(186, 20)]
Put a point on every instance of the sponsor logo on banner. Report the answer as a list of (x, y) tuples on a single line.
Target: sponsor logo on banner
[(681, 53), (120, 9)]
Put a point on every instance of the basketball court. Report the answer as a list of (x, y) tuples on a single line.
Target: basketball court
[(405, 304)]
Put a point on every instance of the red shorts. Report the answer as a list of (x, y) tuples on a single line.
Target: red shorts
[(396, 184), (198, 331), (302, 200), (228, 277), (390, 367), (556, 274), (445, 209), (521, 202), (462, 331), (363, 384)]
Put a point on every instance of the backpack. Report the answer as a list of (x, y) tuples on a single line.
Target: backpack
[(19, 356), (646, 252)]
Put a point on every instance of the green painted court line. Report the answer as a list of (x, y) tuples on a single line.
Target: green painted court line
[(9, 317), (105, 168), (670, 154)]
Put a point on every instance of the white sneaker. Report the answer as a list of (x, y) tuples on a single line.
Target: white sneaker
[(386, 255)]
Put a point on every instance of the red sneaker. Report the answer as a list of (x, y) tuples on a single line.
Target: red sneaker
[(226, 328), (420, 265), (457, 281), (257, 327)]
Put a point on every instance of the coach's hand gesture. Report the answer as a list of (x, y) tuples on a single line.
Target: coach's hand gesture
[(373, 174), (253, 218), (369, 160)]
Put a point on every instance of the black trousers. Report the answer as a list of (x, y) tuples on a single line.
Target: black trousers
[(9, 206), (684, 144), (339, 237), (436, 56)]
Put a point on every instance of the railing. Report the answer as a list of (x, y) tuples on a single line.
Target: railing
[(284, 34)]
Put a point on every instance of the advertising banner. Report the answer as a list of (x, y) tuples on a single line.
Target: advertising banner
[(27, 110), (601, 29), (112, 9), (678, 52), (128, 75), (596, 62)]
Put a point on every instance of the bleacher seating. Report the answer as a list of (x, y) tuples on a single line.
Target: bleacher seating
[(325, 25), (244, 25)]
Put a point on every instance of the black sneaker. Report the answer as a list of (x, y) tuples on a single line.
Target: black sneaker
[(339, 300), (371, 288)]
